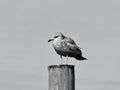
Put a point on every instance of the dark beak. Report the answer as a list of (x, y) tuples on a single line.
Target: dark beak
[(50, 40)]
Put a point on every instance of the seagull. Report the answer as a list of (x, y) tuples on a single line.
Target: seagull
[(66, 46)]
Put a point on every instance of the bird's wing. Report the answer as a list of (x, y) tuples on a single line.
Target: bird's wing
[(70, 40), (73, 48)]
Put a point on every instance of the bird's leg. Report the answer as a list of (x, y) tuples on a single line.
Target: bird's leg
[(67, 59), (61, 58)]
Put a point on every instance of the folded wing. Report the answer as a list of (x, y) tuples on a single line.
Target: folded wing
[(74, 50)]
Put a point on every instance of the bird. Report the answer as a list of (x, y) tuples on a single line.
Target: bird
[(66, 46)]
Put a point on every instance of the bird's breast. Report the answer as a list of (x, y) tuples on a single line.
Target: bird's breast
[(58, 43), (60, 46)]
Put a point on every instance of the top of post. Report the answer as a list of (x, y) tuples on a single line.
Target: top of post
[(60, 66)]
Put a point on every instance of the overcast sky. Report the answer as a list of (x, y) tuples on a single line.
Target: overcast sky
[(26, 25)]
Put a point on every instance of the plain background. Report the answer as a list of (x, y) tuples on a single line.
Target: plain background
[(25, 54)]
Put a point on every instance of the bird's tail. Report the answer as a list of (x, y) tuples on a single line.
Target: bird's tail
[(80, 58)]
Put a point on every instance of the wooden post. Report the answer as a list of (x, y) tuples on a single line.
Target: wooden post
[(61, 77)]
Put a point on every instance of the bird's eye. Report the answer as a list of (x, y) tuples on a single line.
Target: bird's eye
[(55, 36)]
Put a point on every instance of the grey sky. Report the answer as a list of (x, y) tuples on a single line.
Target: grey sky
[(26, 25)]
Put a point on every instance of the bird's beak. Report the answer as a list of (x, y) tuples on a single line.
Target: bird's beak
[(50, 40)]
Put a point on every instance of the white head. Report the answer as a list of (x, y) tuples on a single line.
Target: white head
[(57, 35)]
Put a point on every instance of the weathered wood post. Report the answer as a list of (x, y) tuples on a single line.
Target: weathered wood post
[(61, 77)]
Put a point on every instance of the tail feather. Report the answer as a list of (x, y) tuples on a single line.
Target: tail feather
[(80, 58)]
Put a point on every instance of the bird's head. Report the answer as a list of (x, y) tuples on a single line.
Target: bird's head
[(57, 35)]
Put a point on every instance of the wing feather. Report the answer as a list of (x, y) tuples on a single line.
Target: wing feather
[(70, 40), (73, 48)]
